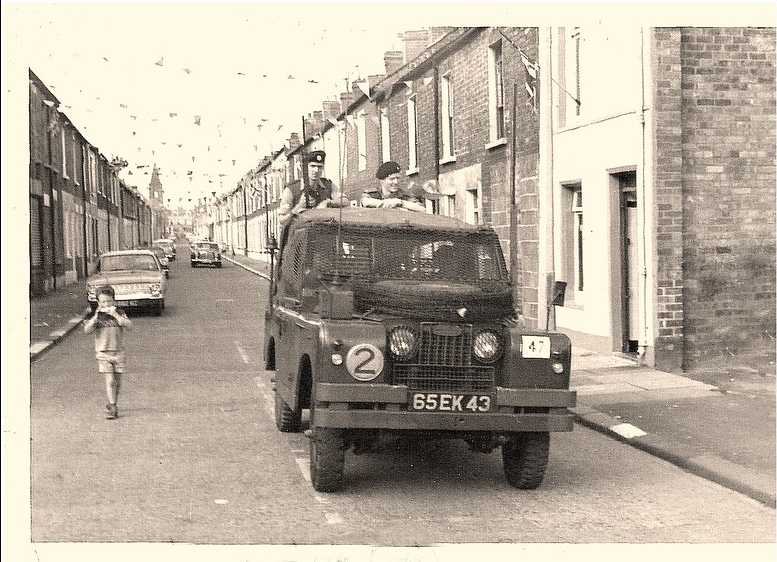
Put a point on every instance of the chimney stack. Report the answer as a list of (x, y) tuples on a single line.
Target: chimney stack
[(393, 61)]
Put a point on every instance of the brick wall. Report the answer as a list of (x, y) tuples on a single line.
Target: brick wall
[(716, 164), (667, 119)]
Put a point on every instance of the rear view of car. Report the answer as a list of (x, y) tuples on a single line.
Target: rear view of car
[(206, 253)]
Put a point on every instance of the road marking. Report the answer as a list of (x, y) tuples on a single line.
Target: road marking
[(627, 430), (269, 402), (304, 467), (242, 353), (333, 518)]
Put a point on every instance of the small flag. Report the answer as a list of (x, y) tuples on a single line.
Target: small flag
[(531, 69), (161, 62)]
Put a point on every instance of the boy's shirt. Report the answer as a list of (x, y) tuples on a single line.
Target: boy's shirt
[(108, 334)]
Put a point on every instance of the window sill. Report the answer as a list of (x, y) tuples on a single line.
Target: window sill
[(496, 143), (412, 172), (447, 160)]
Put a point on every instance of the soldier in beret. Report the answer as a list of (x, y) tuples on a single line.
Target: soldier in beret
[(388, 195), (317, 193)]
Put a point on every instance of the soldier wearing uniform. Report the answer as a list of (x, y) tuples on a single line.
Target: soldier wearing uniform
[(317, 193), (388, 195)]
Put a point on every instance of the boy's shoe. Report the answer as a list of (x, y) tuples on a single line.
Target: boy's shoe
[(111, 411)]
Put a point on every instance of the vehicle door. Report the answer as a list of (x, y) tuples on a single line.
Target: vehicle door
[(287, 325)]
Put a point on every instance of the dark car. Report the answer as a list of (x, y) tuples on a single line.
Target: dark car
[(159, 252), (387, 324), (206, 253)]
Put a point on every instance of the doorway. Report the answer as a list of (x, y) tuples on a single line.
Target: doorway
[(629, 262)]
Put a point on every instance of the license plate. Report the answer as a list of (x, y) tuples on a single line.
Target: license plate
[(127, 303), (449, 402), (535, 347)]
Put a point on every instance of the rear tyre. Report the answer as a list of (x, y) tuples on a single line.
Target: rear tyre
[(327, 459), (218, 265), (525, 457), (286, 419), (158, 308), (192, 264)]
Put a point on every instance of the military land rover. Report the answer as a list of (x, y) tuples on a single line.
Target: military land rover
[(387, 324)]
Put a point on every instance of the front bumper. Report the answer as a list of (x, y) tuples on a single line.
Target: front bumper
[(377, 406), (132, 300)]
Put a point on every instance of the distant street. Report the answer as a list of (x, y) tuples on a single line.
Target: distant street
[(195, 456)]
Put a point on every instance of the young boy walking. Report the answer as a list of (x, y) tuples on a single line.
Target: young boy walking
[(108, 325)]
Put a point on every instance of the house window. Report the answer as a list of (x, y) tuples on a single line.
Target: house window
[(574, 242), (385, 139), (473, 206), (448, 205), (412, 135), (361, 141), (446, 114), (570, 45), (496, 106)]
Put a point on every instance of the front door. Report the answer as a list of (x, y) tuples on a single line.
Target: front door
[(630, 263)]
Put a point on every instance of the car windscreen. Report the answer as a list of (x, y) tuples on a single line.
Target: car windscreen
[(134, 262), (208, 247), (397, 254)]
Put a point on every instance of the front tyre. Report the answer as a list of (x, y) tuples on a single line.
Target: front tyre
[(525, 457), (327, 459), (286, 419)]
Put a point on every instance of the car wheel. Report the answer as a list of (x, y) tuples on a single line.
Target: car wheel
[(158, 308), (286, 419), (525, 457), (218, 265), (327, 459), (192, 264)]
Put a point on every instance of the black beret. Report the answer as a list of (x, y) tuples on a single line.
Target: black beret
[(386, 169), (316, 157)]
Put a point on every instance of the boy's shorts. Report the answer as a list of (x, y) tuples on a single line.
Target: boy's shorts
[(110, 361)]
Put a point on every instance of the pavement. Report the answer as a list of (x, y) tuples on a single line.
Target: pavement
[(717, 422)]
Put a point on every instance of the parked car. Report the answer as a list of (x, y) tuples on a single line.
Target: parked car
[(168, 245), (206, 253), (159, 252), (135, 275)]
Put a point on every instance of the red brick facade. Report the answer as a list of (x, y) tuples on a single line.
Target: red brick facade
[(715, 191)]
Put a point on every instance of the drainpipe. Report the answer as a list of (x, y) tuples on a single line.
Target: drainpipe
[(437, 117), (513, 179), (545, 179), (646, 202)]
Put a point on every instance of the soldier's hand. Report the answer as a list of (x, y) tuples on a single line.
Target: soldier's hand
[(392, 203)]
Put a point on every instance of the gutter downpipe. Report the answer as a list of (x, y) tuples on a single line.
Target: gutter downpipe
[(647, 201), (545, 181)]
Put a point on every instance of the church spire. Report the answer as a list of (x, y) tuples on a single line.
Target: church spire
[(156, 193)]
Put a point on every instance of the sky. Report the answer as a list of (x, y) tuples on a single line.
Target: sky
[(205, 91), (202, 91)]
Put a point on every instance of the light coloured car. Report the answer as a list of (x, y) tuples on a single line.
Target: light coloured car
[(168, 245), (206, 253), (162, 257), (135, 275)]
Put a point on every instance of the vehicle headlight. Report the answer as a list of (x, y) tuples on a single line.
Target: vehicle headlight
[(487, 346), (402, 343), (156, 288)]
